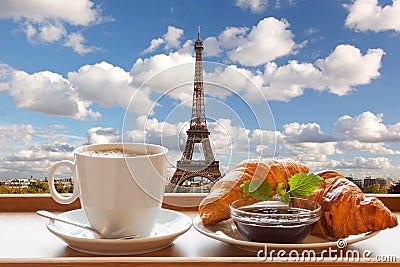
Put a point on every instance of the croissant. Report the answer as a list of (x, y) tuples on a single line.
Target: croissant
[(345, 209), (215, 207)]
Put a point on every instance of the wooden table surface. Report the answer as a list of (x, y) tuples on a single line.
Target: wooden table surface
[(25, 241)]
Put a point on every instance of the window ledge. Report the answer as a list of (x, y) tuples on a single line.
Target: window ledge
[(34, 202), (176, 201)]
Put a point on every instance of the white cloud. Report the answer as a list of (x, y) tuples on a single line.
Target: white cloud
[(284, 83), (265, 141), (134, 136), (212, 47), (38, 155), (33, 161), (309, 151), (267, 41), (151, 77), (46, 92), (305, 142), (234, 80), (27, 150), (374, 148), (311, 31), (172, 37), (5, 74), (358, 167), (49, 33), (255, 6), (154, 44), (233, 143), (367, 127), (347, 67), (97, 135), (280, 83), (167, 134), (367, 132), (233, 37), (57, 146), (75, 41), (154, 126), (227, 138), (171, 40), (103, 83), (79, 12), (224, 139), (187, 48), (30, 32), (365, 163), (338, 73), (47, 21), (311, 132), (57, 126), (143, 69), (159, 74), (368, 15), (14, 135)]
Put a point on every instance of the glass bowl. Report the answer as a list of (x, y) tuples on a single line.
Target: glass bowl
[(275, 221)]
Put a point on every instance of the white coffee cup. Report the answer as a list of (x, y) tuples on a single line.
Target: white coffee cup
[(120, 195)]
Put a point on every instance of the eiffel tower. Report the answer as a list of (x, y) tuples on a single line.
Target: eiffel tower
[(188, 168)]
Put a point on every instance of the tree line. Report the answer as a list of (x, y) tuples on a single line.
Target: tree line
[(37, 187)]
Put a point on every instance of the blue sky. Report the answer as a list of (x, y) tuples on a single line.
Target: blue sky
[(312, 80)]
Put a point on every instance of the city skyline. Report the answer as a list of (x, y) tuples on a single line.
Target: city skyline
[(315, 81)]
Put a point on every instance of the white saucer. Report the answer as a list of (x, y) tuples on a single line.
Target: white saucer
[(169, 226), (227, 232)]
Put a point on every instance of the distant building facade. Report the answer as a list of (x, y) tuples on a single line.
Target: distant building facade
[(358, 182), (383, 182)]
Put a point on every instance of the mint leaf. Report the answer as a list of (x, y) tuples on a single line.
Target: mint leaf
[(284, 195), (279, 189), (260, 189), (302, 185)]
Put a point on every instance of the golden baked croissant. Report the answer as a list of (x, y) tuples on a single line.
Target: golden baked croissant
[(345, 209), (215, 207)]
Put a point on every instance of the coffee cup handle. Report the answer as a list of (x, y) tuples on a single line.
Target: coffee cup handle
[(57, 196)]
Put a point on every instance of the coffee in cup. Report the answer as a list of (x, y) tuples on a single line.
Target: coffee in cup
[(120, 186)]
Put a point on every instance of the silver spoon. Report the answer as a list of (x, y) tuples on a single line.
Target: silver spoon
[(52, 216)]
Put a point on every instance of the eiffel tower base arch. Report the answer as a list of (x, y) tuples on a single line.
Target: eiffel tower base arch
[(211, 172)]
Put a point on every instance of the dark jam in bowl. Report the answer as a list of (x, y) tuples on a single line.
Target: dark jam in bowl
[(285, 233), (274, 221)]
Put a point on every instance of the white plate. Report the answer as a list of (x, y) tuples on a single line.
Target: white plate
[(169, 226), (227, 232)]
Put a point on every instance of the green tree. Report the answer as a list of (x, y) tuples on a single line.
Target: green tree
[(38, 187), (8, 190), (375, 189), (5, 190), (395, 189), (59, 188)]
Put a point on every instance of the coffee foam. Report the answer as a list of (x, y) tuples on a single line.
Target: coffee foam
[(112, 153)]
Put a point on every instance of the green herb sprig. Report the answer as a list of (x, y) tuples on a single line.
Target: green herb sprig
[(300, 185)]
